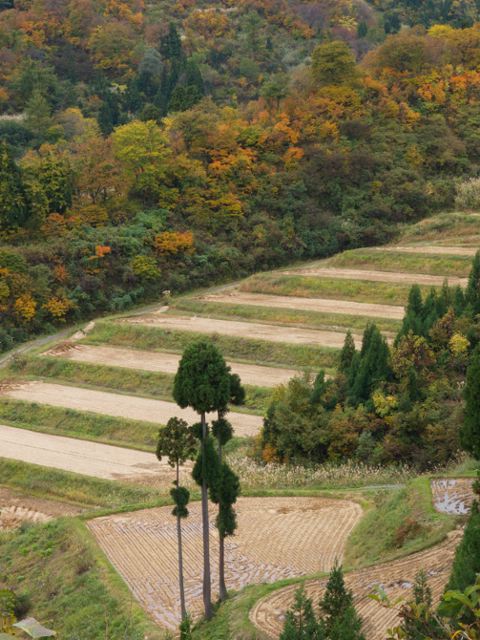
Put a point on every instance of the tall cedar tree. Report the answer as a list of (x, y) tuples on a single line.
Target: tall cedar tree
[(225, 495), (203, 383), (470, 430), (177, 442)]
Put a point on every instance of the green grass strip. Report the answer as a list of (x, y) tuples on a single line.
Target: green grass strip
[(79, 424), (441, 265)]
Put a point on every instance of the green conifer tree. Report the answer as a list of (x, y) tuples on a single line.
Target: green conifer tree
[(347, 353)]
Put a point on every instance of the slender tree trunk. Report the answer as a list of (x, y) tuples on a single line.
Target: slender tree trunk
[(207, 581), (221, 569), (221, 541), (183, 608)]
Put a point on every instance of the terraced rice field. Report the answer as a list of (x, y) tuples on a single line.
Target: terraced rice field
[(378, 276), (452, 495), (395, 578), (122, 406), (164, 362), (306, 304), (276, 538), (251, 330), (81, 456)]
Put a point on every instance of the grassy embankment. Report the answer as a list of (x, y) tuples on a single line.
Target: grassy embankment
[(456, 228), (314, 287), (442, 265)]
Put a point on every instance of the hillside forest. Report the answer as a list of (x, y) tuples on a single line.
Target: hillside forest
[(158, 147)]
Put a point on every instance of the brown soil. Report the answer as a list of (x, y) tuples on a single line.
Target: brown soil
[(431, 249), (395, 578), (379, 276), (248, 330), (322, 305), (122, 406), (452, 495), (276, 538), (164, 362)]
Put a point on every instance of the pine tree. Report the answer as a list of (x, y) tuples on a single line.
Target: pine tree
[(203, 383), (470, 429)]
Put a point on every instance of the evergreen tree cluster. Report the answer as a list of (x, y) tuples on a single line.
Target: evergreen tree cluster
[(337, 620), (167, 80), (421, 315)]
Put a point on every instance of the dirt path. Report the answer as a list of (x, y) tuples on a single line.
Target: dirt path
[(276, 538), (322, 305), (396, 578), (430, 249), (79, 456), (121, 406), (164, 362), (378, 276)]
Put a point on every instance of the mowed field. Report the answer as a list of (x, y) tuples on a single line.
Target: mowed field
[(277, 538)]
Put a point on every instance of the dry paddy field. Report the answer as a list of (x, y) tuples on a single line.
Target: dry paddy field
[(453, 496), (395, 578), (81, 456), (164, 362), (378, 276), (118, 405), (276, 538), (321, 305), (250, 330)]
